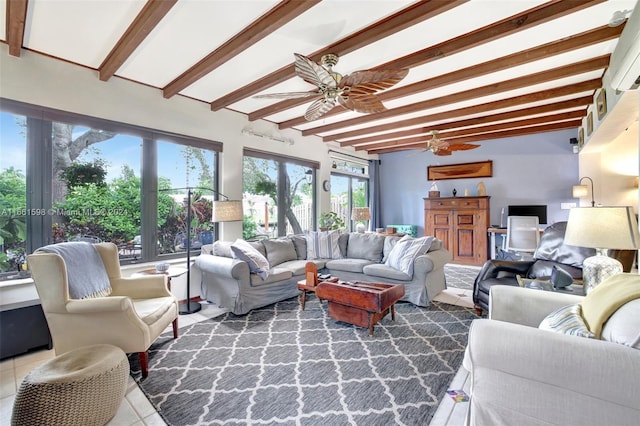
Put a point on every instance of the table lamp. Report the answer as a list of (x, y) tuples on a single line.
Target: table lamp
[(602, 228), (360, 214)]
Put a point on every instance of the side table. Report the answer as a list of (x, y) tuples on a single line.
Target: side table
[(172, 272)]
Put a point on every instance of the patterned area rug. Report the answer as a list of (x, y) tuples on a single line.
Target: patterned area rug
[(281, 365), (460, 276)]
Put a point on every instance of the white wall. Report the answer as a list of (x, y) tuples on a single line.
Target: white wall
[(44, 81), (533, 169)]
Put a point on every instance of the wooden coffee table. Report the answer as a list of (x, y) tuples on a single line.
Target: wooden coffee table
[(360, 303)]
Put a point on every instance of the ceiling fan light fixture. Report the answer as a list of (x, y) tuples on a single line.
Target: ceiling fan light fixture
[(355, 91)]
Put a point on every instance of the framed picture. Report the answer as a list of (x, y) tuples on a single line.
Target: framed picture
[(589, 123), (601, 103), (463, 170), (580, 137)]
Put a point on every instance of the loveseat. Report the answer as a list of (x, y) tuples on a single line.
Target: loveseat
[(229, 282), (521, 374)]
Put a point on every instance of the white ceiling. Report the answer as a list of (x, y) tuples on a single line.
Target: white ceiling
[(84, 32)]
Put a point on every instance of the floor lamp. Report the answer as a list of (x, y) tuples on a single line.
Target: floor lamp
[(222, 211)]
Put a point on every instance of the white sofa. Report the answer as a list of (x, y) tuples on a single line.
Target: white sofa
[(522, 375), (228, 282)]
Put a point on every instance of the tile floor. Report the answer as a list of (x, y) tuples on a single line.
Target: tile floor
[(136, 410)]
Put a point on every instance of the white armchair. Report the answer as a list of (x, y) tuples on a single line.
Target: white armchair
[(522, 375), (132, 316)]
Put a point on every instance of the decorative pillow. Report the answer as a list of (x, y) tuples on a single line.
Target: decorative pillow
[(567, 320), (258, 264), (323, 245), (623, 326), (534, 283), (365, 246), (279, 251), (300, 244), (406, 251)]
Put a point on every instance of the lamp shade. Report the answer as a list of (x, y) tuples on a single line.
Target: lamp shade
[(603, 228), (360, 213), (580, 191), (227, 211)]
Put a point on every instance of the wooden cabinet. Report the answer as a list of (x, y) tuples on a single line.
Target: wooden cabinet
[(461, 223)]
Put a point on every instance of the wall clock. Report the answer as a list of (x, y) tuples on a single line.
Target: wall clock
[(326, 185)]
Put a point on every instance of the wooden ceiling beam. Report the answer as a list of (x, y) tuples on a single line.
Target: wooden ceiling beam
[(600, 62), (525, 112), (405, 18), (491, 136), (149, 17), (268, 23), (447, 115), (16, 19), (546, 50), (492, 128)]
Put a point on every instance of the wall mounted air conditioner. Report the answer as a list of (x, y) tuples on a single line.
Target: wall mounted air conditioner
[(624, 66)]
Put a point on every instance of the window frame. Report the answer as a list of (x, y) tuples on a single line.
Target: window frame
[(38, 170), (282, 161)]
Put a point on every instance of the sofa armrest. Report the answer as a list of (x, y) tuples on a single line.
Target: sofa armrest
[(577, 380), (526, 306), (431, 261), (100, 305), (496, 268), (223, 266)]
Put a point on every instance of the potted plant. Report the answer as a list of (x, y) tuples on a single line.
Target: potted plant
[(330, 221)]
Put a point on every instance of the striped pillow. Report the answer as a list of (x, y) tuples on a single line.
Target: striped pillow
[(405, 252), (323, 245), (567, 320)]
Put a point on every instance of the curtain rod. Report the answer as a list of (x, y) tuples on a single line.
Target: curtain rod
[(349, 155)]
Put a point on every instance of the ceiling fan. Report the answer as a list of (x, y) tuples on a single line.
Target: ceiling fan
[(440, 147), (355, 91)]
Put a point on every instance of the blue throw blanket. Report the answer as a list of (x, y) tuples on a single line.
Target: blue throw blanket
[(86, 274)]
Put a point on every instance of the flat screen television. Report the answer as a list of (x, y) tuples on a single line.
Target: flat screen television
[(530, 210)]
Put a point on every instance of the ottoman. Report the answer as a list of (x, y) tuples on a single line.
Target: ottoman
[(84, 386), (360, 303)]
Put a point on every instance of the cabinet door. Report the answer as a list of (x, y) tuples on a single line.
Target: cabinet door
[(439, 226), (466, 236)]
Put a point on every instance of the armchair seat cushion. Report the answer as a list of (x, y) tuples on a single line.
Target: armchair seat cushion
[(151, 310)]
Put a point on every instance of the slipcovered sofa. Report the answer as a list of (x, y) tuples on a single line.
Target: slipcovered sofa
[(229, 282), (522, 374)]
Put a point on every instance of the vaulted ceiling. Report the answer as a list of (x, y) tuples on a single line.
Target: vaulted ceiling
[(478, 70)]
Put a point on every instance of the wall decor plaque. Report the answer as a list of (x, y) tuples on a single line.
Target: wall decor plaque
[(462, 170)]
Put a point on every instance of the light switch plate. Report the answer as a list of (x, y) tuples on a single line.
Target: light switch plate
[(567, 206)]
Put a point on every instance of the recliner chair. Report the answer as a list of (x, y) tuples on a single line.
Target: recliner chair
[(550, 252)]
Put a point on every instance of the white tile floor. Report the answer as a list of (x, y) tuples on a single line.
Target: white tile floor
[(136, 410)]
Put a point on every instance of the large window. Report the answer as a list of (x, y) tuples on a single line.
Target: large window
[(74, 178), (13, 193), (349, 188), (278, 194)]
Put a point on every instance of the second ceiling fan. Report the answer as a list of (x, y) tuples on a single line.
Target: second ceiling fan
[(355, 91), (442, 147)]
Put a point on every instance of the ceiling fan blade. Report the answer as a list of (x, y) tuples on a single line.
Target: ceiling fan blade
[(442, 152), (319, 108), (462, 146), (313, 73), (368, 104), (371, 81), (289, 95)]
